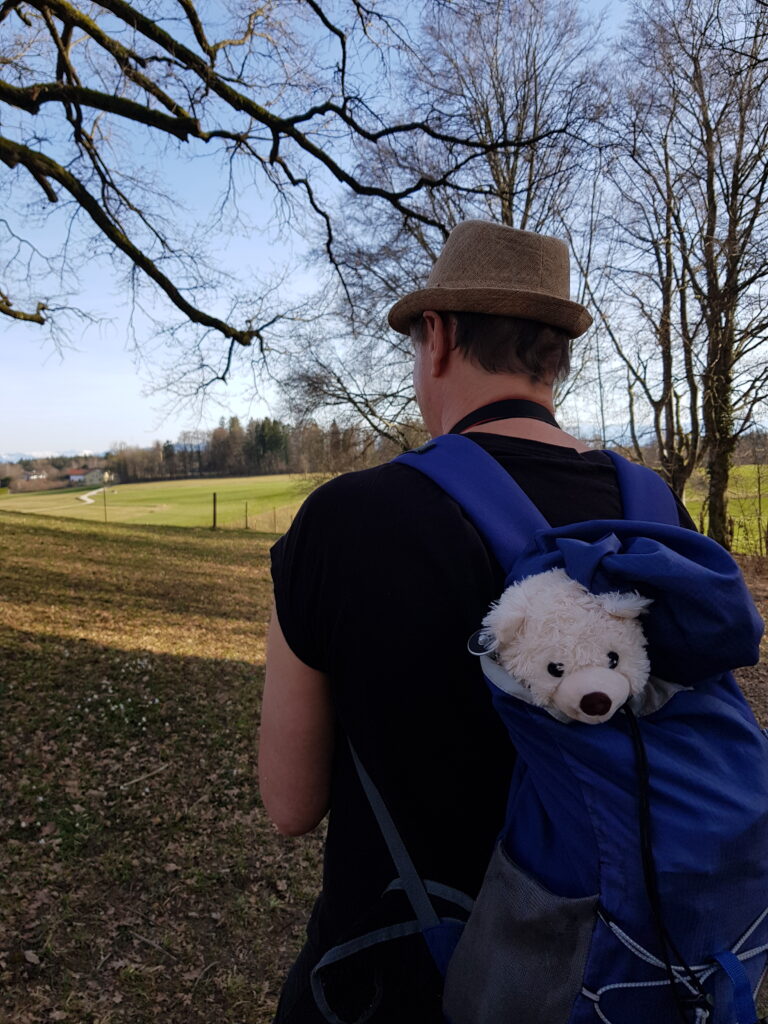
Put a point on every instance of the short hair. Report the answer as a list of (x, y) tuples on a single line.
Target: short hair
[(507, 344)]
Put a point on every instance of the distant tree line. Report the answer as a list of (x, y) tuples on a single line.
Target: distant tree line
[(267, 446), (261, 447)]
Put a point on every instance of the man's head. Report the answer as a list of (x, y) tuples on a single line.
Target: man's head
[(495, 318)]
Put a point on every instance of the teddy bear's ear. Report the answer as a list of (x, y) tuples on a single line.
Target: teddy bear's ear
[(624, 606), (506, 619)]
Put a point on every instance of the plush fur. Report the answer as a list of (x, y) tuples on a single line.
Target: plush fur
[(551, 620)]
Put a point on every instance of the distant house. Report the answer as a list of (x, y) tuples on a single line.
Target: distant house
[(90, 477), (35, 474)]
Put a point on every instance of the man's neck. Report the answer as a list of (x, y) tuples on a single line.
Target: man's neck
[(480, 391), (459, 403)]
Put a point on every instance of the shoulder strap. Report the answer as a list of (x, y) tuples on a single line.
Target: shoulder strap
[(502, 512), (644, 495)]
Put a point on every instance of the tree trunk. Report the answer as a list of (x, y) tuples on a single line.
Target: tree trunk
[(718, 430), (718, 470), (676, 470)]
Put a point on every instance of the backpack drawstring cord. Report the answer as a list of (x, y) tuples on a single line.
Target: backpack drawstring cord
[(699, 1002)]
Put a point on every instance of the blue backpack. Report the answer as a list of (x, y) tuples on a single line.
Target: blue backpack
[(630, 881)]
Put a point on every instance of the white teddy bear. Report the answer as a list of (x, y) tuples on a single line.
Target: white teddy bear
[(581, 653)]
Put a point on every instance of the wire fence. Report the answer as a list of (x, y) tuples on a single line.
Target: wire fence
[(747, 508), (748, 528), (236, 514)]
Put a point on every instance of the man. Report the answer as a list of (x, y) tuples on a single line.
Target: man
[(378, 585)]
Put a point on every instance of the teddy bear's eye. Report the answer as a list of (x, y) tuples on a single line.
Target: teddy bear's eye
[(555, 668), (613, 659)]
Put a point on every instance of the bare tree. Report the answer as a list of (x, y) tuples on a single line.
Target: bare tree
[(653, 326), (521, 70), (690, 174)]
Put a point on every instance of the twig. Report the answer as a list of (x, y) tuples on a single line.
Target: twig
[(199, 978), (141, 778), (155, 945)]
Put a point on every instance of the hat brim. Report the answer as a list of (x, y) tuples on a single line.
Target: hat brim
[(570, 317)]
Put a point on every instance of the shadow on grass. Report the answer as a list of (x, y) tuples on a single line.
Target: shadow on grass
[(183, 540), (140, 877), (168, 588)]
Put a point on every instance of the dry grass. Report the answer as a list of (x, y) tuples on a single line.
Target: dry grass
[(139, 879)]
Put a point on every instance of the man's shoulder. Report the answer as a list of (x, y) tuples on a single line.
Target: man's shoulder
[(391, 482), (390, 504)]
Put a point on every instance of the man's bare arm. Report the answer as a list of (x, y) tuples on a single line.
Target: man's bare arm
[(296, 739)]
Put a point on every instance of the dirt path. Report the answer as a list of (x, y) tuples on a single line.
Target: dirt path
[(87, 497)]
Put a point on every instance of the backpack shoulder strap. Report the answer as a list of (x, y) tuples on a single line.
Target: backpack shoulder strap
[(503, 513), (498, 507), (644, 495)]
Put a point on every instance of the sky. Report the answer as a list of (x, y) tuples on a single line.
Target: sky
[(94, 392), (91, 394)]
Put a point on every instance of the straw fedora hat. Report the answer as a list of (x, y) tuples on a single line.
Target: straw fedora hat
[(491, 268)]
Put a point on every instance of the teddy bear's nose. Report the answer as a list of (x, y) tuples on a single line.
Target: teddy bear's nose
[(595, 703)]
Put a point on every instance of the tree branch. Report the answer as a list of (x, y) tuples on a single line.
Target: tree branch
[(32, 97), (6, 309), (38, 164)]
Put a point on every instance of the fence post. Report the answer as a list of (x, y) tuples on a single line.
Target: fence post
[(104, 495), (246, 515), (214, 511), (760, 536)]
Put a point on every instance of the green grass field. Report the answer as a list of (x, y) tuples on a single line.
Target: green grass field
[(272, 500), (747, 506), (139, 877), (269, 503)]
